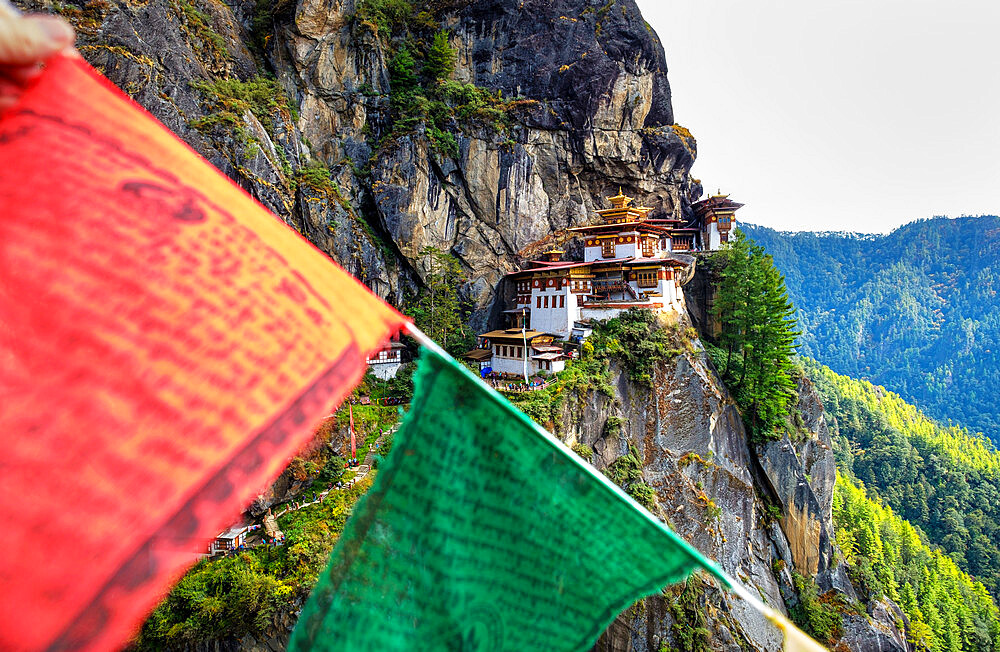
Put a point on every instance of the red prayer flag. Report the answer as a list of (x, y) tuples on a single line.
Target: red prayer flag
[(354, 441), (166, 345)]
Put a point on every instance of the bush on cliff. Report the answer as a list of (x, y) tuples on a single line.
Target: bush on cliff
[(638, 339)]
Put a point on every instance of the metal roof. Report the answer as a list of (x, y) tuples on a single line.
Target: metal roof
[(548, 356), (478, 354), (512, 333), (233, 532)]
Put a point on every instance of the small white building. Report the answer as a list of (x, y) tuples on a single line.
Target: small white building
[(385, 362), (716, 217), (229, 540), (549, 362), (581, 331), (513, 351)]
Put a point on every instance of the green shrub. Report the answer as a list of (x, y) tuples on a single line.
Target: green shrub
[(386, 16), (402, 76), (439, 63), (626, 472), (198, 24), (638, 339), (228, 99), (612, 427), (690, 623), (819, 620), (584, 451), (443, 141)]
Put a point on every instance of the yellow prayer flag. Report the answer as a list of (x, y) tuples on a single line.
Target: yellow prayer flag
[(795, 639)]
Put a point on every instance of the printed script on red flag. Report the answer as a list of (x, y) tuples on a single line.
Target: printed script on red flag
[(166, 345)]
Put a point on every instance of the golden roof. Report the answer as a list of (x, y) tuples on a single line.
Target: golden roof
[(511, 333), (619, 200)]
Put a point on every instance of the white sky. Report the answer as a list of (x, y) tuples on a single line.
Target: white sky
[(839, 115)]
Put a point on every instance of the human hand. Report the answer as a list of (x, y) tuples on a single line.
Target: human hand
[(25, 43)]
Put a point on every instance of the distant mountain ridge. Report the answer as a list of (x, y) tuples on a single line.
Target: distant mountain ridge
[(915, 310)]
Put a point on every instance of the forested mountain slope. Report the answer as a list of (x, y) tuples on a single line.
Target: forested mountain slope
[(915, 310), (947, 610), (943, 480)]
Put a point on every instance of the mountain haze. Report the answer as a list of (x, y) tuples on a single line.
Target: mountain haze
[(915, 310)]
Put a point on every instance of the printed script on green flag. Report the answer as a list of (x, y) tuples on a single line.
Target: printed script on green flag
[(483, 533)]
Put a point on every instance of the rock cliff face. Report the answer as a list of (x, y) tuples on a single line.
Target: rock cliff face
[(720, 493), (802, 475), (695, 456), (589, 76)]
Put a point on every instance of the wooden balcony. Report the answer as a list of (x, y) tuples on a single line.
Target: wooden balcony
[(608, 286)]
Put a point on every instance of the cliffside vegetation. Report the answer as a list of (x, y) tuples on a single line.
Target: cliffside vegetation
[(438, 310), (250, 594), (888, 557), (944, 480), (256, 592), (637, 339), (227, 100), (915, 310), (754, 349), (421, 63), (626, 472)]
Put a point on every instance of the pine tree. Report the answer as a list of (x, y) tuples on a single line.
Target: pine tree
[(438, 311), (731, 299), (757, 335), (440, 61), (401, 74)]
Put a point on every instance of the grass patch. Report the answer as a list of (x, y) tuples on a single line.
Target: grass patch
[(228, 99)]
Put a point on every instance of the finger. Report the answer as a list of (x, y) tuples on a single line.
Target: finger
[(32, 39), (8, 10)]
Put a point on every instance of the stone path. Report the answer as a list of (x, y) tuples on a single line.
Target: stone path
[(360, 472)]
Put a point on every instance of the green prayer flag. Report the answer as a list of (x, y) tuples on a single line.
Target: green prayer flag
[(482, 532)]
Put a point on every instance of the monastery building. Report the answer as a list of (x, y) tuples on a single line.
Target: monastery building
[(630, 261)]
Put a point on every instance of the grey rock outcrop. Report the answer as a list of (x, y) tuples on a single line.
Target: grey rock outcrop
[(594, 113), (880, 630), (695, 456)]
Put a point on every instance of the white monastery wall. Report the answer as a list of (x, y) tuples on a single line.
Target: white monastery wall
[(627, 250), (385, 370), (714, 241)]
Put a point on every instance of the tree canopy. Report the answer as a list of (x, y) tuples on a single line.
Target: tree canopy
[(756, 342), (948, 610), (942, 479)]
